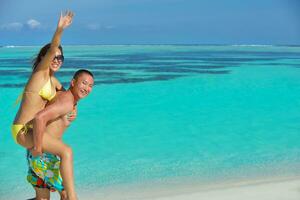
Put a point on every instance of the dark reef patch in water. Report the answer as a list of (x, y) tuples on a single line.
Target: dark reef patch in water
[(96, 73), (12, 85), (14, 73), (137, 80), (183, 70), (15, 61)]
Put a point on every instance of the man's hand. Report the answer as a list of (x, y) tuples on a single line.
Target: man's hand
[(36, 152)]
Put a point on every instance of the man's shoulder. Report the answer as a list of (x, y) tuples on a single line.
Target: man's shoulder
[(64, 97)]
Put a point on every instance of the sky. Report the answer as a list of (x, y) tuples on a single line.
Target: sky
[(32, 22)]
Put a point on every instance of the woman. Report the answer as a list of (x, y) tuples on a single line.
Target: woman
[(41, 88)]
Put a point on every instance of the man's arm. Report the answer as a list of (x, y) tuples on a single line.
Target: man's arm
[(59, 108), (57, 84)]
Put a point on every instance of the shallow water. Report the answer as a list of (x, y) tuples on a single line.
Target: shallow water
[(166, 112)]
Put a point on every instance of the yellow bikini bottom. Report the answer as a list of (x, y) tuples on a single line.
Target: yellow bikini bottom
[(16, 128)]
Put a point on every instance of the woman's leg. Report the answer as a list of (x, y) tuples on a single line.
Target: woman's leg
[(25, 138), (42, 193), (57, 147)]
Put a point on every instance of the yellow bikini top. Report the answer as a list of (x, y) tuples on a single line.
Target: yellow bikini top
[(46, 92)]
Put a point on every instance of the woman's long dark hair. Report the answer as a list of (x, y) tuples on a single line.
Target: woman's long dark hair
[(36, 61)]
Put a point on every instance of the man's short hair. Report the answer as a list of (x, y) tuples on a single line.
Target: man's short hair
[(81, 71)]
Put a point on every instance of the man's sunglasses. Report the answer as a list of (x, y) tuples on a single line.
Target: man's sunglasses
[(59, 58)]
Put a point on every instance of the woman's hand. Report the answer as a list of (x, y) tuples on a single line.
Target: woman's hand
[(71, 116), (65, 20)]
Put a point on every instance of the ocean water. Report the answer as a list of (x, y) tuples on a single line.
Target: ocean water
[(167, 112)]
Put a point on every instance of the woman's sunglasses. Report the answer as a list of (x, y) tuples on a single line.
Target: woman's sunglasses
[(59, 58)]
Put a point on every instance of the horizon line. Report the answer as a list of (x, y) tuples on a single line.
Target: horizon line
[(157, 44)]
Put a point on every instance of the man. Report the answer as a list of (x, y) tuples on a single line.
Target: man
[(48, 128)]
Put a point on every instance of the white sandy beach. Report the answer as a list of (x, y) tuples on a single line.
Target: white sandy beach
[(267, 189)]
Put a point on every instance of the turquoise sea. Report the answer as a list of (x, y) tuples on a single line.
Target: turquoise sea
[(160, 113)]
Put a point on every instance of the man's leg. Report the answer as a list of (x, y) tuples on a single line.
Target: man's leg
[(63, 195), (42, 193), (41, 190), (51, 163), (57, 147)]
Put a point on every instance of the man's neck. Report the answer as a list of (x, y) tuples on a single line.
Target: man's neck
[(75, 98)]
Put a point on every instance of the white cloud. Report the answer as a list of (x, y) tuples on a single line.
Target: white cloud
[(109, 27), (32, 23), (93, 27), (14, 26)]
